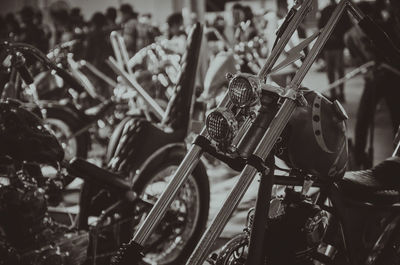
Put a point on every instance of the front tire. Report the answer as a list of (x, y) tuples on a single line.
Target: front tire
[(192, 203), (64, 124)]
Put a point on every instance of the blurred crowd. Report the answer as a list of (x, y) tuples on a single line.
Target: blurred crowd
[(65, 25), (138, 29)]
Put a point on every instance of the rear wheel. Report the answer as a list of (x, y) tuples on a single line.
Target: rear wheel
[(387, 248)]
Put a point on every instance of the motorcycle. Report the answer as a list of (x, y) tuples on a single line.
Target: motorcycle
[(324, 242), (119, 202), (72, 118), (60, 115), (257, 121), (149, 154), (29, 234)]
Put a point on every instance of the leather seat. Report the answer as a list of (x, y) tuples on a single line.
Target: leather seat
[(379, 185)]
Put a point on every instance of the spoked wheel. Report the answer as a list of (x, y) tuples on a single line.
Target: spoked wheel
[(178, 233), (387, 248), (63, 124), (235, 251), (63, 132)]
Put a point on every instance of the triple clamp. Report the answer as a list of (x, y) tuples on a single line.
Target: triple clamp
[(287, 92)]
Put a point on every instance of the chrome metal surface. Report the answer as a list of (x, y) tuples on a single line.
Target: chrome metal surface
[(293, 25), (133, 83), (287, 108), (318, 45), (187, 166), (186, 208), (203, 248), (184, 170)]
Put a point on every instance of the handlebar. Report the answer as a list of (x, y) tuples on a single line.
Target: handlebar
[(381, 40), (383, 44), (31, 50)]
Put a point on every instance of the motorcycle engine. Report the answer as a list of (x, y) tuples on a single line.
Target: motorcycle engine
[(292, 236), (26, 227)]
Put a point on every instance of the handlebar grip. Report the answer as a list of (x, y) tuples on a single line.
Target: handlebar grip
[(381, 40), (25, 74)]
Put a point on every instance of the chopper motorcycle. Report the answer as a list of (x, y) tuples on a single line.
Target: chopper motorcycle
[(130, 199), (148, 154), (29, 235), (308, 132)]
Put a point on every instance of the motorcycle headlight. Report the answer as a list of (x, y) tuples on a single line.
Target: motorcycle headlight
[(221, 125), (242, 91)]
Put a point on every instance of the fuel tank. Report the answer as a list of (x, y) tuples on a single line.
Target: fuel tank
[(315, 138)]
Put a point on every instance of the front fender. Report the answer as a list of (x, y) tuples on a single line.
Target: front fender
[(214, 80), (158, 157)]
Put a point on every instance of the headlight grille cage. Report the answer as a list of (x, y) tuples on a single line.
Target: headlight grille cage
[(241, 91), (221, 126)]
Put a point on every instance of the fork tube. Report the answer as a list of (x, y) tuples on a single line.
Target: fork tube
[(319, 44), (281, 119), (293, 25), (271, 135), (187, 166), (214, 230), (355, 11)]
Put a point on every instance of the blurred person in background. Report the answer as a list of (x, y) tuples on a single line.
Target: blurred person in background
[(379, 83), (238, 16), (77, 21), (129, 25), (220, 24), (98, 49), (111, 16), (176, 35), (334, 49), (12, 27), (250, 30), (175, 26), (146, 31), (79, 32), (46, 29), (63, 26), (31, 33)]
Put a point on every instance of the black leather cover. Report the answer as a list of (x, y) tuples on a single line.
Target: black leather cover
[(379, 185), (139, 139), (180, 107)]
